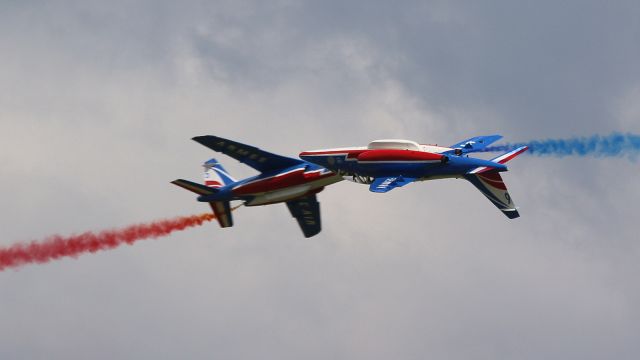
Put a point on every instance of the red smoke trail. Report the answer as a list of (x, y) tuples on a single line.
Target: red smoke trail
[(57, 246)]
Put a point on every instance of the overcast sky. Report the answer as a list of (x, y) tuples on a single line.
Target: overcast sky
[(99, 100)]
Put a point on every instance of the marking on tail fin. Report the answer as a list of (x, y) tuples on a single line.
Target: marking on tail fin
[(220, 171), (215, 175)]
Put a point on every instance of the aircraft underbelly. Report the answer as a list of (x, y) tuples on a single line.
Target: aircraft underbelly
[(280, 195), (290, 193)]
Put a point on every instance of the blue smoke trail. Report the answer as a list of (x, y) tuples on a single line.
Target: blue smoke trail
[(616, 144)]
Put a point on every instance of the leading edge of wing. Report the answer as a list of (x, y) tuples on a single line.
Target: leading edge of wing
[(252, 156), (306, 210)]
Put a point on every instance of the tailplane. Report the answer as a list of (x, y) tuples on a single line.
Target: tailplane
[(194, 187), (215, 177)]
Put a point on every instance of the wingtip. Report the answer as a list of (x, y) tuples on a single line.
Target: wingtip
[(511, 214)]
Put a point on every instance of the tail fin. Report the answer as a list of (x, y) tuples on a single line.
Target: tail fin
[(490, 183), (215, 175)]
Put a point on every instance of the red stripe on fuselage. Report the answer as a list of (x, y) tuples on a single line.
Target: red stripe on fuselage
[(398, 155), (280, 181)]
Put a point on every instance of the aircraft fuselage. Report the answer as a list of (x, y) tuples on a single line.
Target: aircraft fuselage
[(281, 186)]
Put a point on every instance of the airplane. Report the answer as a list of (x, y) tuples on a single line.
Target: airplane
[(282, 179), (388, 164)]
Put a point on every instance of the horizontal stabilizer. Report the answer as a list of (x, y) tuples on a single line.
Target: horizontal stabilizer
[(386, 184), (476, 143), (502, 159), (194, 187)]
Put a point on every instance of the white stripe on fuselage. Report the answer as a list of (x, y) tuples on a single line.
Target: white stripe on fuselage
[(291, 192), (268, 177)]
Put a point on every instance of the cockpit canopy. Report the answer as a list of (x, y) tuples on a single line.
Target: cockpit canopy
[(397, 144)]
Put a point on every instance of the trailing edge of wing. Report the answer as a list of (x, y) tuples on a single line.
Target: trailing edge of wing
[(260, 160), (306, 210)]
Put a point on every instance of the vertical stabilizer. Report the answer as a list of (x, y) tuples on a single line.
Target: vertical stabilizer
[(215, 175), (490, 183)]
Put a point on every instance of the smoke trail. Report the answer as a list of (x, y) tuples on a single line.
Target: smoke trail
[(615, 144), (57, 246)]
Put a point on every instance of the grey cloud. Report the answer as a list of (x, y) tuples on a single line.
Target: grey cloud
[(97, 105)]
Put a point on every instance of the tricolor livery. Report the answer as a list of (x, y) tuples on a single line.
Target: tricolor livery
[(281, 179), (387, 164)]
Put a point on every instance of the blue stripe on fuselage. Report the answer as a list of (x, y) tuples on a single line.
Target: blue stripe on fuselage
[(456, 165)]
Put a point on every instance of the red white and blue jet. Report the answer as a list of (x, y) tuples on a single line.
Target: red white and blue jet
[(282, 179), (387, 164)]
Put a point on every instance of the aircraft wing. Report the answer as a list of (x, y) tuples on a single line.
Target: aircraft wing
[(386, 184), (260, 160), (476, 143), (306, 210)]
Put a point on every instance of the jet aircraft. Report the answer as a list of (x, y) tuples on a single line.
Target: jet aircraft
[(282, 179), (387, 164)]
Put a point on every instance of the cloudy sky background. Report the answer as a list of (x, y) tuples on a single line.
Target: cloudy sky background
[(98, 101)]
